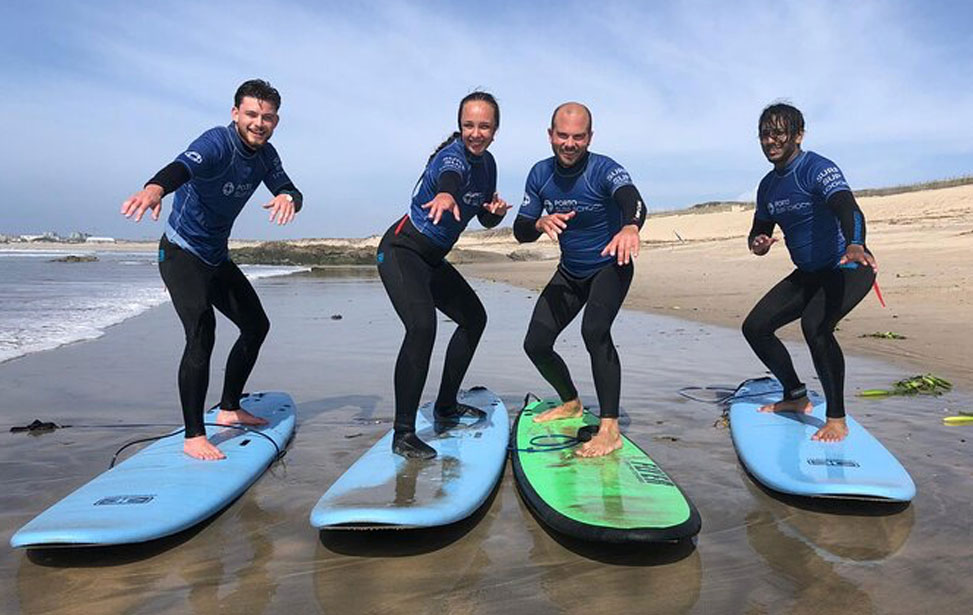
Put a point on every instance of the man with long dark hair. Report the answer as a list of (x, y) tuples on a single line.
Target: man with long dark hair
[(824, 229)]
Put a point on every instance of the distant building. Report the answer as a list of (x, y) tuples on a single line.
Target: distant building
[(78, 237), (91, 239)]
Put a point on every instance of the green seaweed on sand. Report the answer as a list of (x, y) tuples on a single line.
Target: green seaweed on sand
[(884, 335), (924, 384)]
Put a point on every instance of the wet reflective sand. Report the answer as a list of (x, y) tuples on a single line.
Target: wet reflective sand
[(758, 552)]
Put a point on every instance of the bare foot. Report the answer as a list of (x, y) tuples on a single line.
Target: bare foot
[(201, 448), (568, 410), (834, 430), (801, 404), (238, 417), (606, 441)]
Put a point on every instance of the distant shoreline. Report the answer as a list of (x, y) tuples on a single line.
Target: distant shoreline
[(694, 264)]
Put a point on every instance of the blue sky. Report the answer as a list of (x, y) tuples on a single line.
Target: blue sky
[(101, 95)]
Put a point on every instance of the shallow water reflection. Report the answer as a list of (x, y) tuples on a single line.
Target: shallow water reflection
[(758, 552)]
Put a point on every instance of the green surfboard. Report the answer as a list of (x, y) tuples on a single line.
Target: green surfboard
[(619, 498)]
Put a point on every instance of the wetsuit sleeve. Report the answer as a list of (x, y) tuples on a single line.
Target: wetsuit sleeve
[(450, 181), (206, 156), (850, 216), (763, 222), (446, 164), (276, 178), (614, 176), (760, 227), (532, 206), (291, 189), (524, 229), (488, 219), (530, 210), (629, 200), (824, 178), (170, 177)]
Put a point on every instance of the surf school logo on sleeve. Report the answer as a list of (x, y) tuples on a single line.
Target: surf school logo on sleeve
[(453, 163), (473, 198), (619, 177), (194, 156)]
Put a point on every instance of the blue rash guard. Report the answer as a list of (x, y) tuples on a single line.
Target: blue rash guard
[(587, 190), (796, 199), (478, 181), (225, 173)]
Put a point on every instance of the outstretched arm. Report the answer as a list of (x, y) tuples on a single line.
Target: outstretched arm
[(287, 201), (447, 194), (149, 198), (493, 212)]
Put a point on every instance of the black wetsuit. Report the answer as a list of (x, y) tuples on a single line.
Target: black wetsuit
[(418, 280), (213, 179), (196, 288), (604, 200), (812, 203)]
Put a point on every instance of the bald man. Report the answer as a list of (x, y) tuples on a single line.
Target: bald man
[(587, 203)]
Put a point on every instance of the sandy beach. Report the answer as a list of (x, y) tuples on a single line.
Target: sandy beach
[(923, 242)]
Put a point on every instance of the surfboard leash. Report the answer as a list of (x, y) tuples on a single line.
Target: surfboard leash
[(547, 443), (277, 456), (731, 392)]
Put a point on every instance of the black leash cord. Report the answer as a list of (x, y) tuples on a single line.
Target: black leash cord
[(278, 455)]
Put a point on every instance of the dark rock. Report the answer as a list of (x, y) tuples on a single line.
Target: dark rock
[(71, 258)]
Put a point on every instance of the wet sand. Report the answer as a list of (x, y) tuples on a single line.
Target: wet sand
[(757, 552)]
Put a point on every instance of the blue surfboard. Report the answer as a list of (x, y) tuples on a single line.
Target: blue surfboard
[(383, 490), (777, 450), (160, 491)]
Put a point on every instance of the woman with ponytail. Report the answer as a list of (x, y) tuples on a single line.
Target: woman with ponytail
[(458, 183)]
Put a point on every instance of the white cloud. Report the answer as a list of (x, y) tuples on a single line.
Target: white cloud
[(369, 90)]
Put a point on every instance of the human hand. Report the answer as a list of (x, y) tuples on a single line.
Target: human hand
[(553, 224), (855, 253), (441, 203), (497, 206), (146, 199), (624, 245), (761, 244), (281, 209)]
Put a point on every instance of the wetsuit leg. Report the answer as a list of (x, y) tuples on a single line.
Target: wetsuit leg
[(839, 291), (233, 295), (606, 292), (784, 303), (189, 281), (558, 304), (407, 279), (455, 298)]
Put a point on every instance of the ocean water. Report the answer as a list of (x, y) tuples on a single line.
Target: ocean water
[(45, 304)]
